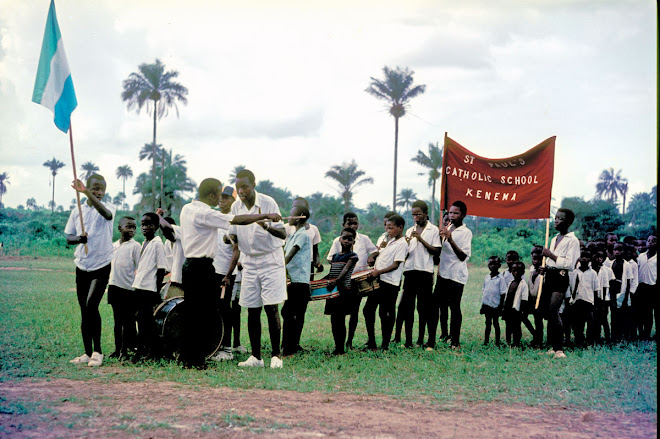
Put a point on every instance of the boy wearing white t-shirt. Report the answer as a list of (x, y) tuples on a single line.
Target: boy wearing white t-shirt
[(148, 278), (585, 287), (646, 291), (388, 268), (126, 255)]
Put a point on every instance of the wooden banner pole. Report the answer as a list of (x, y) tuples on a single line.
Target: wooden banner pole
[(75, 180)]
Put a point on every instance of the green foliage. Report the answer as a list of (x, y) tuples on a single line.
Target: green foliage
[(283, 197), (593, 219), (35, 233)]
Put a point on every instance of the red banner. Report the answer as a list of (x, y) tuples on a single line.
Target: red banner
[(518, 187)]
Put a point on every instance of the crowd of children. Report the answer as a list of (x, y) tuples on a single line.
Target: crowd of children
[(602, 291)]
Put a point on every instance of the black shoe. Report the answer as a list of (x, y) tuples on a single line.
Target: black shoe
[(115, 354), (370, 346)]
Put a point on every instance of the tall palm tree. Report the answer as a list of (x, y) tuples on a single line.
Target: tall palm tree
[(623, 189), (152, 85), (31, 203), (54, 165), (405, 199), (433, 162), (88, 168), (349, 177), (609, 184), (397, 90), (124, 173), (4, 181)]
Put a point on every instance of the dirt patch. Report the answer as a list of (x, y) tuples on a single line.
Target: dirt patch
[(67, 408)]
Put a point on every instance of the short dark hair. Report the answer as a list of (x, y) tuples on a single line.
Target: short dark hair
[(350, 231), (303, 200), (570, 215), (619, 243), (585, 252), (243, 173), (513, 253), (126, 218), (397, 220), (495, 259), (98, 177), (152, 217), (461, 206), (347, 216), (421, 205), (518, 264), (629, 239), (537, 249), (209, 186), (389, 214)]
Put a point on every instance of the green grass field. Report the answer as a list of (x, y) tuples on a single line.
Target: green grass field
[(39, 333)]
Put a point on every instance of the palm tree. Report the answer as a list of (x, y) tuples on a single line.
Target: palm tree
[(433, 162), (151, 151), (151, 85), (609, 184), (405, 199), (623, 189), (88, 168), (348, 176), (124, 172), (4, 181), (397, 89), (53, 165), (31, 203)]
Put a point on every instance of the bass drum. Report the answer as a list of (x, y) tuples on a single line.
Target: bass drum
[(169, 329), (170, 290)]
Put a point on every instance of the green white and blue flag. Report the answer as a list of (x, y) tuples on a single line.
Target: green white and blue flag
[(53, 87)]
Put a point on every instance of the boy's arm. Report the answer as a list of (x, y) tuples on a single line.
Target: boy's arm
[(348, 266), (236, 253), (431, 249), (316, 260), (394, 266), (291, 254), (76, 239), (168, 230), (160, 275), (100, 208), (276, 232), (460, 254)]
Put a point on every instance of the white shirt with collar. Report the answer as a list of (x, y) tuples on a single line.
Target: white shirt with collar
[(253, 240), (648, 268), (223, 254), (605, 275), (311, 230), (567, 252), (450, 266), (522, 293), (151, 259), (634, 282), (99, 236), (588, 286), (419, 258), (199, 225), (177, 255), (396, 251), (626, 275), (124, 263), (362, 246)]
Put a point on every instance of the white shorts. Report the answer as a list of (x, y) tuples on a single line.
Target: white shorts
[(264, 280)]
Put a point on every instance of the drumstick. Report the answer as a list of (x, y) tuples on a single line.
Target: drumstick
[(222, 292), (288, 218)]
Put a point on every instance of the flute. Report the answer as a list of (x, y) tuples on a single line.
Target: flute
[(288, 218)]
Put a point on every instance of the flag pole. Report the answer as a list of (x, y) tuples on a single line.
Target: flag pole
[(547, 234), (75, 180)]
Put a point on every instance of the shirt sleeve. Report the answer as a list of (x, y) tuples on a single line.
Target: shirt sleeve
[(401, 252), (569, 258), (368, 245), (160, 254), (503, 286), (464, 242), (70, 228), (435, 239), (135, 255), (524, 292), (317, 235), (213, 218)]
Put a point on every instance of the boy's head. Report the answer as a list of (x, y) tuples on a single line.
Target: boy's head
[(494, 264), (245, 183), (227, 198), (585, 258), (597, 259), (629, 252), (445, 220), (149, 224), (640, 246), (611, 239), (601, 243), (420, 212), (652, 242), (511, 257), (518, 269), (564, 219), (351, 220), (96, 185), (127, 227), (537, 259), (457, 212), (387, 216), (618, 250), (299, 210), (209, 191), (347, 238), (583, 244), (394, 226), (629, 240)]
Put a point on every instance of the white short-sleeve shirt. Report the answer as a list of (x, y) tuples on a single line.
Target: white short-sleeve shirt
[(124, 263), (522, 293), (567, 252), (605, 275), (648, 268), (588, 286), (253, 240), (450, 266), (177, 255), (223, 254), (99, 236), (362, 246), (419, 258), (493, 289), (199, 224), (396, 251), (151, 259)]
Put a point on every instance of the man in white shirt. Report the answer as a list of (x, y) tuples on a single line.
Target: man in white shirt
[(423, 243), (646, 291), (561, 259), (92, 258), (264, 274), (452, 277), (199, 224)]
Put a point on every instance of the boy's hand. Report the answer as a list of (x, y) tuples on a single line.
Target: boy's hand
[(373, 274), (319, 267), (78, 186), (274, 217), (264, 225), (160, 212), (332, 284), (82, 239), (225, 281)]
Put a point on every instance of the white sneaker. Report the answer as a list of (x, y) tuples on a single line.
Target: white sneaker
[(96, 360), (223, 356), (275, 363), (560, 354), (240, 349), (83, 359), (551, 352), (252, 362)]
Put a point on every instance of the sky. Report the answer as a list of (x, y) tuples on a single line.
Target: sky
[(279, 86)]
